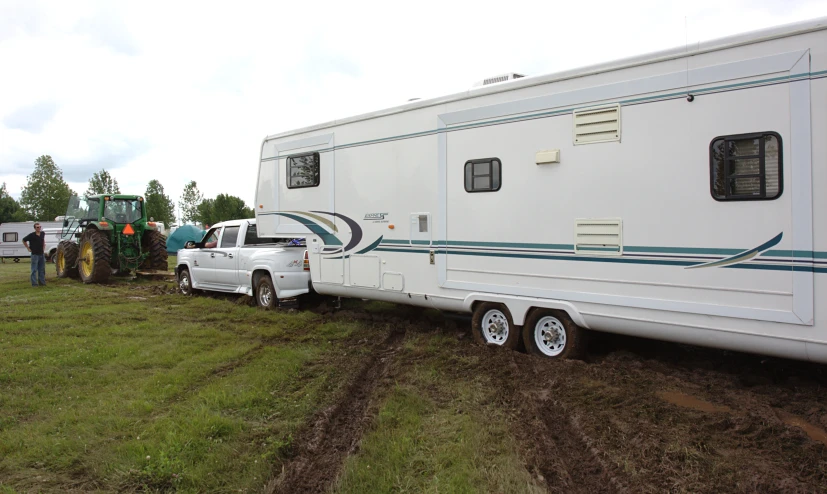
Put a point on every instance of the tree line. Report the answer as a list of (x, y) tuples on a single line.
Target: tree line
[(46, 195)]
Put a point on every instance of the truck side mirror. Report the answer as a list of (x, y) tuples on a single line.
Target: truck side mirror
[(189, 245)]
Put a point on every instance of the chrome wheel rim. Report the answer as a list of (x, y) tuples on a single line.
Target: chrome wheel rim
[(265, 296), (550, 336), (184, 282), (495, 327)]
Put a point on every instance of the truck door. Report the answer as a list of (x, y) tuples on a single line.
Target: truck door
[(226, 258), (203, 264)]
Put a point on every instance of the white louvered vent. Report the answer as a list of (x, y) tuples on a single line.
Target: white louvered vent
[(593, 125), (598, 236)]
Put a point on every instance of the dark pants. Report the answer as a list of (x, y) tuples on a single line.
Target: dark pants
[(38, 269)]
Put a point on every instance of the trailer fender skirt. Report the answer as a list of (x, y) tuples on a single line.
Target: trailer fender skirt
[(519, 306)]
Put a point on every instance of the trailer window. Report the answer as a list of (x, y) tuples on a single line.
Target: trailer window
[(746, 167), (10, 237), (483, 175), (303, 171)]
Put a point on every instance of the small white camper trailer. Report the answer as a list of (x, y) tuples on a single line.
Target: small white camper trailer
[(11, 238), (677, 196)]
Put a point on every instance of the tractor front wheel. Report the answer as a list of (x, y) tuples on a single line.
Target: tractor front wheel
[(66, 259), (95, 253), (155, 243)]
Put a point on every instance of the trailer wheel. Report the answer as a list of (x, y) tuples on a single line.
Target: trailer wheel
[(492, 325), (185, 281), (552, 334), (16, 259), (52, 256), (66, 259), (265, 293)]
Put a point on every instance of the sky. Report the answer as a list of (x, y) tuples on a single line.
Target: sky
[(180, 91)]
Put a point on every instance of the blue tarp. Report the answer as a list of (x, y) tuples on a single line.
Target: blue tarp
[(182, 235)]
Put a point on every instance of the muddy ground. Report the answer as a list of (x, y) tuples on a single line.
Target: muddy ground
[(635, 416)]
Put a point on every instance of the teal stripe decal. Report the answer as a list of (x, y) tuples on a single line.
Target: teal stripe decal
[(660, 262), (371, 246), (804, 254), (744, 256)]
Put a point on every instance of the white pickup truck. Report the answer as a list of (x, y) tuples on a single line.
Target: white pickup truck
[(232, 259)]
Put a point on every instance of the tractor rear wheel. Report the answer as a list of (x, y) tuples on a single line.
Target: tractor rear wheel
[(66, 260), (155, 243), (95, 253)]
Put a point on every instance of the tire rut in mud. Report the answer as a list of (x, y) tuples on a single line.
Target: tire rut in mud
[(321, 448), (559, 451)]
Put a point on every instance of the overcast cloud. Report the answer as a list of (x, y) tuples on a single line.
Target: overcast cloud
[(180, 91)]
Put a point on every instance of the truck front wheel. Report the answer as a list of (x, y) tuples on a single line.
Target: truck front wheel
[(265, 293), (185, 281)]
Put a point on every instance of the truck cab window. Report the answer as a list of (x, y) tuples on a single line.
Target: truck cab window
[(230, 236), (211, 238)]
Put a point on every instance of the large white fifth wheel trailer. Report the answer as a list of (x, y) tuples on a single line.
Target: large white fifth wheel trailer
[(677, 196)]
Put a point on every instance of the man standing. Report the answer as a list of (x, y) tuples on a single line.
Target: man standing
[(35, 243)]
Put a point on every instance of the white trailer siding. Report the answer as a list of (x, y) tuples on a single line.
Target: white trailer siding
[(517, 245)]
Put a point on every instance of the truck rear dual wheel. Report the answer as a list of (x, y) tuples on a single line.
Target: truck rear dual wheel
[(266, 293), (66, 259), (93, 259)]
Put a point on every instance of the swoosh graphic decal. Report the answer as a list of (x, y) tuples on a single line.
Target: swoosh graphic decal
[(356, 235), (371, 246), (318, 218), (743, 256), (327, 238)]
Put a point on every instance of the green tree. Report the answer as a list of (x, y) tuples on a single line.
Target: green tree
[(227, 207), (46, 194), (204, 212), (190, 200), (102, 183), (158, 205), (10, 210)]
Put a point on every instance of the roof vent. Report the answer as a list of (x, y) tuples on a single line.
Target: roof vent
[(499, 78)]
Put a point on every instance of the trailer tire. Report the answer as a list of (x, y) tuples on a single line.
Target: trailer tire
[(552, 334), (493, 325), (93, 259), (265, 293), (155, 243), (185, 281), (52, 256), (66, 260)]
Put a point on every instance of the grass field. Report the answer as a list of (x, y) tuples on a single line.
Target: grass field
[(130, 387), (133, 387)]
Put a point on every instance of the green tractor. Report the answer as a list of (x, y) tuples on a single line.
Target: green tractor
[(108, 234)]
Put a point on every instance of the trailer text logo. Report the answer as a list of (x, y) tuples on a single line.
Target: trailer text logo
[(376, 217)]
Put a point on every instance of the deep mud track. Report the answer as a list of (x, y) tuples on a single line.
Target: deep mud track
[(636, 416), (336, 432)]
